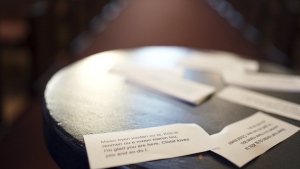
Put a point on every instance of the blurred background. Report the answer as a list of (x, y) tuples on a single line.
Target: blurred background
[(38, 37)]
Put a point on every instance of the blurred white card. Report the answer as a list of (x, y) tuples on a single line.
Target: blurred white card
[(174, 86), (129, 68), (168, 83), (218, 62), (135, 146), (244, 140), (266, 81), (261, 102)]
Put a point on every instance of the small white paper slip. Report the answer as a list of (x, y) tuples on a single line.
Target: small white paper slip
[(174, 86), (129, 68), (261, 102), (135, 146), (167, 81), (266, 81), (218, 62), (244, 140)]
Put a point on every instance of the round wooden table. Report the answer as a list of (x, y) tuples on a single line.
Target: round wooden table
[(85, 98)]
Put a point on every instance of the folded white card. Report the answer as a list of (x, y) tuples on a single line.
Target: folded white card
[(261, 102), (218, 62), (264, 81), (168, 83), (135, 146), (244, 140)]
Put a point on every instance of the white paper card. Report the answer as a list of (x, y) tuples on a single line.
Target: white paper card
[(218, 62), (135, 146), (174, 86), (264, 81), (244, 140), (131, 68), (261, 102), (166, 81)]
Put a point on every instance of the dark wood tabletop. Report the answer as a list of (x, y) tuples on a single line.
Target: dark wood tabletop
[(85, 98)]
